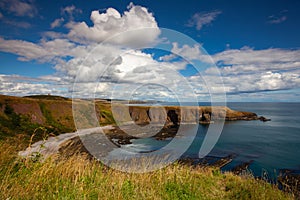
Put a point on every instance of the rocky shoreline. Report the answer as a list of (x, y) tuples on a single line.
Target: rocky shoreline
[(173, 116), (170, 117)]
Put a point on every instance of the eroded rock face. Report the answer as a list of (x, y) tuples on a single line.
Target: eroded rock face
[(174, 115)]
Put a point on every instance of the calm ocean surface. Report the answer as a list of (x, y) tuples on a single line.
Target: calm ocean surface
[(272, 145)]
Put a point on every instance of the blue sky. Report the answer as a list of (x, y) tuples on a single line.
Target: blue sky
[(255, 45)]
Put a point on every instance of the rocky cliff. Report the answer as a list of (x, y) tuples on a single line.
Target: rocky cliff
[(173, 115), (25, 114)]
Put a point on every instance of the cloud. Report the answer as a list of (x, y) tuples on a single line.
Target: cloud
[(243, 70), (198, 20), (189, 53), (70, 11), (19, 24), (27, 50), (45, 51), (77, 55), (57, 23), (16, 85), (247, 70), (121, 76), (19, 7), (264, 81), (276, 20), (105, 25), (111, 22), (67, 56), (281, 96), (246, 84), (246, 60)]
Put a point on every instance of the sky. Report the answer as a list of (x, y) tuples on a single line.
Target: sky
[(209, 50)]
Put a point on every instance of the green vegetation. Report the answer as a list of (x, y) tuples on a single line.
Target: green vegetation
[(12, 123), (53, 125), (23, 115), (106, 117), (78, 178), (15, 118), (46, 97)]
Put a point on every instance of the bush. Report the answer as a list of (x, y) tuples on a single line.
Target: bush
[(8, 110)]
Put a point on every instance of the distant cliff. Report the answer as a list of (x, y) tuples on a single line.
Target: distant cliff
[(173, 115), (25, 114)]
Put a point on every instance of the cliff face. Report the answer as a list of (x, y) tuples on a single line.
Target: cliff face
[(174, 115), (19, 114)]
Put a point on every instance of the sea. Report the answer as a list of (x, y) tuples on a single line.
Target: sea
[(268, 146)]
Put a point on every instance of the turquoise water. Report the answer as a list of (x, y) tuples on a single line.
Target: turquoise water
[(271, 145)]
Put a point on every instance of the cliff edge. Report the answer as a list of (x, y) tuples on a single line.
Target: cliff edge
[(25, 114)]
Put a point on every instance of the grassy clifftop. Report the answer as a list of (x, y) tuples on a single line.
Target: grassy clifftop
[(22, 115)]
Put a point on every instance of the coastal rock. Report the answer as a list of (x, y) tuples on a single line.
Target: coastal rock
[(239, 169), (289, 180), (73, 147), (174, 115), (223, 161), (263, 119), (205, 118)]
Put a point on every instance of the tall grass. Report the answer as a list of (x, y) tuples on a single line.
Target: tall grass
[(80, 178)]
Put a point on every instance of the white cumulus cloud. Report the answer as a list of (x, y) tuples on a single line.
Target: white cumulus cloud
[(111, 22)]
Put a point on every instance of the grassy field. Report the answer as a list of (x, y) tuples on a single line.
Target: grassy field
[(79, 178)]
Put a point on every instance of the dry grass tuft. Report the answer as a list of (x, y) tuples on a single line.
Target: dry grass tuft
[(80, 178)]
